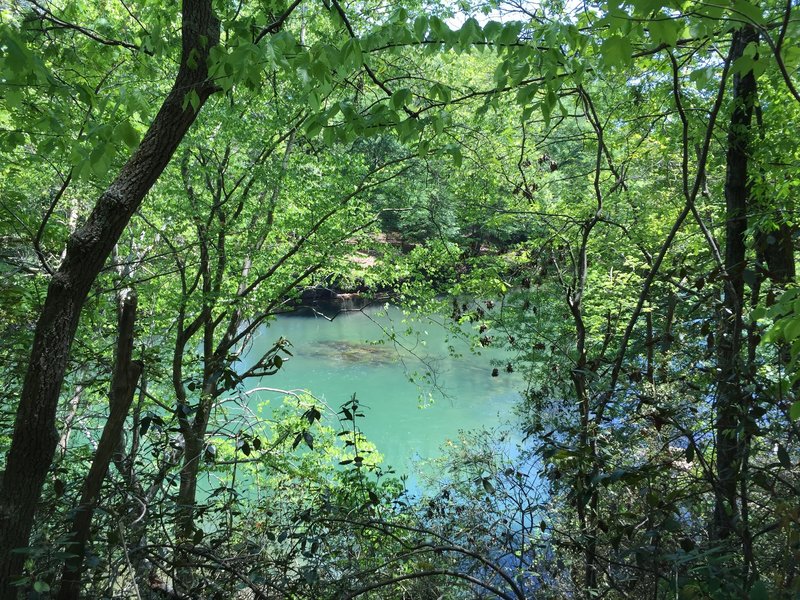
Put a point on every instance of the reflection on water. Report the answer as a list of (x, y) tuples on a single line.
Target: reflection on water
[(390, 376)]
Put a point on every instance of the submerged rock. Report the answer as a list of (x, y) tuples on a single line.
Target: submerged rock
[(353, 352)]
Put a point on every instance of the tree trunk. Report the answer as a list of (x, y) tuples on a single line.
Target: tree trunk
[(730, 398), (185, 527), (123, 385), (776, 252), (34, 439), (588, 499)]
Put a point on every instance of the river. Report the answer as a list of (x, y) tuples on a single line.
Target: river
[(409, 414)]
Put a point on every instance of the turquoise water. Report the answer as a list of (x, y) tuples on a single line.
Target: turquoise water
[(417, 390)]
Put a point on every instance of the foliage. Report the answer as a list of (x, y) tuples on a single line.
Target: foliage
[(607, 191)]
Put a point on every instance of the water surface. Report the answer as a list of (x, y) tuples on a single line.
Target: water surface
[(417, 390)]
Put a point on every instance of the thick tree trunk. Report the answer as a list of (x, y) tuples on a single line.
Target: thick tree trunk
[(35, 437), (123, 385), (730, 398)]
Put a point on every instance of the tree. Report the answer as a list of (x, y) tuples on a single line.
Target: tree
[(90, 244), (633, 281), (34, 440)]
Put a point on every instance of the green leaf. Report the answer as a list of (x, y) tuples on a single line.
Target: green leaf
[(783, 457), (791, 57), (13, 98), (545, 107), (500, 73), (646, 7), (438, 125), (792, 329), (353, 54), (550, 99), (400, 97), (100, 159), (14, 139), (794, 411), (16, 54), (510, 33), (671, 524), (517, 72), (440, 91), (126, 132), (526, 93), (420, 27), (41, 587), (191, 60), (749, 10), (665, 30), (616, 51), (400, 15), (703, 76), (313, 127), (470, 32), (191, 99), (491, 30), (458, 158), (743, 64), (438, 28), (759, 591)]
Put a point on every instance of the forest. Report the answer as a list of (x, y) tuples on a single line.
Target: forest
[(605, 194)]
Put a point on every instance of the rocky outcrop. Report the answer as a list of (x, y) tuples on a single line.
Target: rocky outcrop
[(330, 301)]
